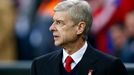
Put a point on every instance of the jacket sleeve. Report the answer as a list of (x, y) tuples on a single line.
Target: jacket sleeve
[(33, 69), (117, 68)]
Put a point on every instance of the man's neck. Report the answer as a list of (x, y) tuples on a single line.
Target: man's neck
[(72, 48)]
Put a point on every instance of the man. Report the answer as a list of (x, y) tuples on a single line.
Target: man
[(72, 20), (127, 54)]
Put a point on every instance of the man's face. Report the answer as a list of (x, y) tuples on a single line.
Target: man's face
[(129, 21), (63, 29)]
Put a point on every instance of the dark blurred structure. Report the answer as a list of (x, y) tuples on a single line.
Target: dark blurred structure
[(23, 68)]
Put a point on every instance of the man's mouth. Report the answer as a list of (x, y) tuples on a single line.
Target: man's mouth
[(55, 37)]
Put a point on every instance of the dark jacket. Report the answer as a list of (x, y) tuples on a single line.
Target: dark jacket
[(93, 60)]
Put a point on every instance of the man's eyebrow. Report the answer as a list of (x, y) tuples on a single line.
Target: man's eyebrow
[(58, 20)]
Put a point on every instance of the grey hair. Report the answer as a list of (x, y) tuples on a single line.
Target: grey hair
[(79, 11)]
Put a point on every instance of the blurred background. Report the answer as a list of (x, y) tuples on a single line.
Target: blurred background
[(25, 35)]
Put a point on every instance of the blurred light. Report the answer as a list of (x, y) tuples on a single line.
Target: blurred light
[(36, 38)]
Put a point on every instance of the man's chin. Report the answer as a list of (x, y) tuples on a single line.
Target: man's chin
[(57, 44)]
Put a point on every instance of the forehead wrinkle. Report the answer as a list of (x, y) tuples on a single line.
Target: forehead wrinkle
[(58, 17), (61, 16)]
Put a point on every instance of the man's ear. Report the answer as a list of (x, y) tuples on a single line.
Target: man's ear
[(80, 28)]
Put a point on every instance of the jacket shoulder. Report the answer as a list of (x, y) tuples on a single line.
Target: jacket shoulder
[(113, 65), (48, 57), (105, 57)]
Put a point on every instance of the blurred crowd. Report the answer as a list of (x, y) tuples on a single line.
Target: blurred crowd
[(24, 28)]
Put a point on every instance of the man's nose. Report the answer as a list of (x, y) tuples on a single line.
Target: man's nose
[(52, 27)]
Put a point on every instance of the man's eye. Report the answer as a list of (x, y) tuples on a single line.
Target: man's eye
[(58, 22)]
